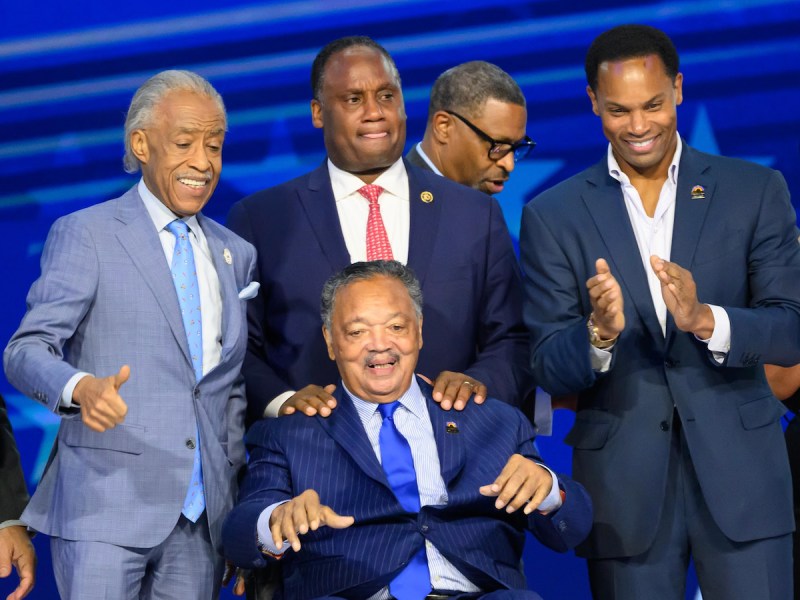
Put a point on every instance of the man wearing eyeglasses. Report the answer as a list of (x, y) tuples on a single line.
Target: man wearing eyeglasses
[(366, 203), (476, 127)]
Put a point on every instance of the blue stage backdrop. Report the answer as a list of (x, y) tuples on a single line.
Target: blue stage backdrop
[(68, 71)]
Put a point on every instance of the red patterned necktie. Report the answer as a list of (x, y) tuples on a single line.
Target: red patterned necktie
[(378, 247)]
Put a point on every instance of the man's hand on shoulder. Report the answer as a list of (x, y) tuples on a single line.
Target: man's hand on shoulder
[(521, 483), (453, 390), (300, 515), (101, 405), (16, 549), (310, 401)]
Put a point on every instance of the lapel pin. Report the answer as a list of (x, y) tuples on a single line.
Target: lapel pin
[(698, 192), (426, 197), (226, 254), (451, 427)]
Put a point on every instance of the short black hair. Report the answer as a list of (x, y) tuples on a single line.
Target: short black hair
[(630, 41), (324, 55), (465, 88)]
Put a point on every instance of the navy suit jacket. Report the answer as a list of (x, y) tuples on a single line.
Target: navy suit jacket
[(739, 240), (334, 457), (13, 491), (461, 253)]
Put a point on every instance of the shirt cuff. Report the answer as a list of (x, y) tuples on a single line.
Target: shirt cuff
[(274, 406), (600, 359), (719, 344), (265, 535), (66, 393), (12, 523), (552, 501)]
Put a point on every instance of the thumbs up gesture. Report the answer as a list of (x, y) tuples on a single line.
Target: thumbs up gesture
[(101, 405)]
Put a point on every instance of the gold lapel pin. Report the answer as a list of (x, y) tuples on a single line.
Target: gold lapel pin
[(226, 254), (698, 192), (451, 427), (426, 197)]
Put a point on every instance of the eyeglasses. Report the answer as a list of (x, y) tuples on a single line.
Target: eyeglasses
[(499, 149)]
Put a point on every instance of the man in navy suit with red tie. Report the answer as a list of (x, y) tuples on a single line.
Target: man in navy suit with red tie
[(390, 495), (366, 198)]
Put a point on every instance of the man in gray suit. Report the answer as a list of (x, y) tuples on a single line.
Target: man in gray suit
[(135, 334), (476, 127), (15, 544)]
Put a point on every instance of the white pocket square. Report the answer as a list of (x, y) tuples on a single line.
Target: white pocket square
[(250, 291)]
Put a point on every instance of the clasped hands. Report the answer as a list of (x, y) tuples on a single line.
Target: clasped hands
[(450, 389), (678, 290), (521, 483)]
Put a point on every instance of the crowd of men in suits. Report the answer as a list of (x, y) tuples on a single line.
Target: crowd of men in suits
[(653, 288)]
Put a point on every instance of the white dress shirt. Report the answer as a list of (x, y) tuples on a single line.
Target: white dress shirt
[(353, 210), (414, 423), (654, 236), (207, 279)]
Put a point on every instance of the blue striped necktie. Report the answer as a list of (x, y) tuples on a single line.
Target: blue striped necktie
[(184, 276), (414, 581)]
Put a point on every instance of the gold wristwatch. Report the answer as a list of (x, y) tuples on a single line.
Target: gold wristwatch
[(594, 336)]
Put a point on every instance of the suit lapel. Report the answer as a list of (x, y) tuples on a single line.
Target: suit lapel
[(606, 205), (140, 240), (231, 310), (424, 224), (690, 213), (449, 443), (320, 208), (344, 426)]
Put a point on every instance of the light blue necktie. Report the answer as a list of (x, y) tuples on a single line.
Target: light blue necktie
[(184, 276), (414, 581)]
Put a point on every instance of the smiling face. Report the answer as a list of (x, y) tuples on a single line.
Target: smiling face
[(361, 112), (180, 152), (636, 101), (464, 156), (375, 338)]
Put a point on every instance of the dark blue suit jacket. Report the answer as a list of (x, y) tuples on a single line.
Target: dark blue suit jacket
[(334, 457), (740, 243), (459, 248)]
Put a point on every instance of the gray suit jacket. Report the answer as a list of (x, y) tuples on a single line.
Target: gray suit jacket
[(13, 493), (105, 298), (415, 159)]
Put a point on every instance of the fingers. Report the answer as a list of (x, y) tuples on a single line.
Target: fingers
[(16, 549), (239, 585), (230, 569), (300, 515), (121, 377), (453, 390), (601, 266), (336, 521), (521, 483), (428, 381), (311, 400)]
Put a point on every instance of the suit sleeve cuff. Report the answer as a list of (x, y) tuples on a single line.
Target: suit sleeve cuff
[(274, 406), (66, 393), (265, 543)]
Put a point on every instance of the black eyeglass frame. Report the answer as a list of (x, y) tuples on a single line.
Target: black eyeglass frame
[(498, 149)]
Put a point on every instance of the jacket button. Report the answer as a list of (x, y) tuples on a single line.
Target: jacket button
[(424, 529), (190, 444), (664, 425)]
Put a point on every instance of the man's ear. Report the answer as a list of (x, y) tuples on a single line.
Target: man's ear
[(328, 342), (441, 124), (593, 98), (139, 146), (316, 114)]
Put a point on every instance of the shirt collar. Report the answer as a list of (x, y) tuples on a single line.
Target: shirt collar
[(393, 180), (160, 214), (429, 162), (617, 173), (412, 399)]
